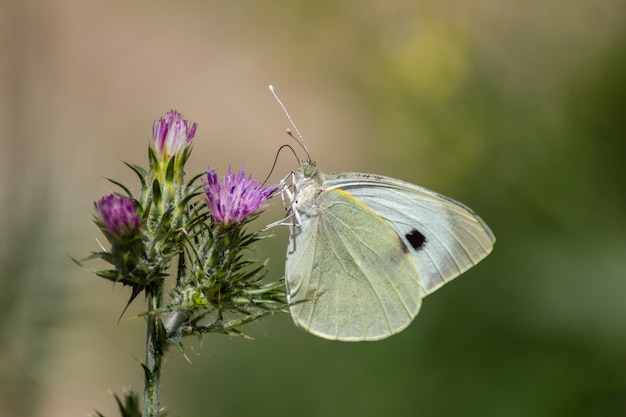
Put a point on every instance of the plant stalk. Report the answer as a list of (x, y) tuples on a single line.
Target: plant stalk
[(154, 357)]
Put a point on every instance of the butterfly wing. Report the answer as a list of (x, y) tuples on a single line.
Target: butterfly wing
[(349, 274), (444, 236)]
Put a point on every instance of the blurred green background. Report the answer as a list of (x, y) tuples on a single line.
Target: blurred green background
[(515, 108)]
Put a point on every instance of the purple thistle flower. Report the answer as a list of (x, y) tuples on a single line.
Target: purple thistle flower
[(171, 134), (236, 198), (118, 213)]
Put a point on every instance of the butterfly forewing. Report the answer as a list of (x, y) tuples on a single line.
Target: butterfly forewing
[(444, 237)]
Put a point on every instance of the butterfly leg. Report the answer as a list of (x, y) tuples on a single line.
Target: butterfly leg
[(288, 202)]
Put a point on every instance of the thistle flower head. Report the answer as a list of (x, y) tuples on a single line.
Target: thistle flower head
[(236, 198), (172, 134), (118, 213)]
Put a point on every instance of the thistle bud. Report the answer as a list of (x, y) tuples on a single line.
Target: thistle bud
[(171, 135), (118, 214)]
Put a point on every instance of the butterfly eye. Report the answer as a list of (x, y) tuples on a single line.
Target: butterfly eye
[(416, 239), (309, 169)]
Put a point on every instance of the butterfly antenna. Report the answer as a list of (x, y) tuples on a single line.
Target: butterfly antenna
[(298, 137)]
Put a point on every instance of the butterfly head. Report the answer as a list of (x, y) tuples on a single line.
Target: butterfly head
[(309, 169)]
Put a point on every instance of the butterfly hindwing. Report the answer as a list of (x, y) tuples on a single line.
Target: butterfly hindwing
[(350, 275)]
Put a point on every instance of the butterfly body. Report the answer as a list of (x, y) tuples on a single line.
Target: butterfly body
[(365, 249)]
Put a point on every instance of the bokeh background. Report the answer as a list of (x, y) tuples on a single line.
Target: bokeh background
[(516, 108)]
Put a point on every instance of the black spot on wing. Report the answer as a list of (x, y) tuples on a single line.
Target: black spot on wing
[(416, 239)]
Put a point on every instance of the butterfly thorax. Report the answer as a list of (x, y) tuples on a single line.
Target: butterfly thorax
[(308, 185)]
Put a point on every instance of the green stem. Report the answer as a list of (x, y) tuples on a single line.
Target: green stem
[(154, 356)]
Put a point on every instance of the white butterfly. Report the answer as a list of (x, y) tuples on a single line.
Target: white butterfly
[(365, 249)]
